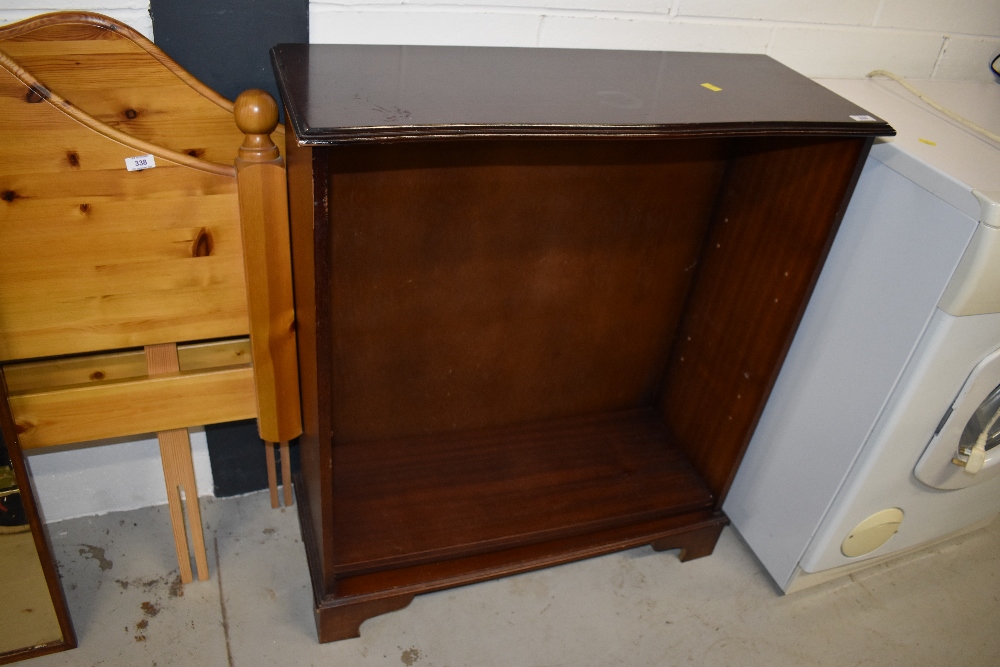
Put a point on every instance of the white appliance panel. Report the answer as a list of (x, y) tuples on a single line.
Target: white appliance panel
[(887, 273), (951, 347), (902, 314)]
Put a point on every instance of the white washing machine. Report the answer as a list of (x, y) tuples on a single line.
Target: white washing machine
[(881, 433)]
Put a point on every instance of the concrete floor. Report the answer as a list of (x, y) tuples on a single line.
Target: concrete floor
[(638, 607)]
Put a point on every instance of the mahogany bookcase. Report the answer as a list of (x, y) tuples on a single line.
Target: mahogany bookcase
[(541, 298)]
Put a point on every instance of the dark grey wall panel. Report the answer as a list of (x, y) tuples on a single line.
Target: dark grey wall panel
[(225, 43), (237, 458)]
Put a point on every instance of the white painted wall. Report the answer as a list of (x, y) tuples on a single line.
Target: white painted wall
[(109, 476), (133, 12), (921, 39), (941, 39)]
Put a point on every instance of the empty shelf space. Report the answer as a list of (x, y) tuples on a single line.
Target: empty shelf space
[(413, 500)]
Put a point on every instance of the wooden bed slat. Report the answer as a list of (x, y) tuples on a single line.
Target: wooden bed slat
[(129, 407), (86, 369)]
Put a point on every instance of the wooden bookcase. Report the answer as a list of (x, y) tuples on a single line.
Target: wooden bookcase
[(542, 296)]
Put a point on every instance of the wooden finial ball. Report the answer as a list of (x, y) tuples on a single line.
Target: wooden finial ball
[(256, 112)]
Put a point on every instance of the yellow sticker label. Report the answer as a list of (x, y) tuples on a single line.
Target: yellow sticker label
[(928, 142), (711, 87)]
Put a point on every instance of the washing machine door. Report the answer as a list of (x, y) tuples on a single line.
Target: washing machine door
[(965, 450)]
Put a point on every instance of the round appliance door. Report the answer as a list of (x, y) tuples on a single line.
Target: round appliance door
[(966, 448)]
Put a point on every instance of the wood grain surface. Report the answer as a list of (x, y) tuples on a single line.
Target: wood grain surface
[(417, 500), (539, 347), (178, 475), (267, 258), (779, 210), (97, 261), (401, 93), (504, 296), (308, 206), (95, 257), (104, 367), (272, 474), (149, 97), (341, 610), (39, 93), (548, 277), (63, 415)]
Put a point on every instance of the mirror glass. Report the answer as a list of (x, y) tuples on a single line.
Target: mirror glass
[(27, 614)]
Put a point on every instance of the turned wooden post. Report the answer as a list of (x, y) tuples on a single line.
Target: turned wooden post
[(267, 258)]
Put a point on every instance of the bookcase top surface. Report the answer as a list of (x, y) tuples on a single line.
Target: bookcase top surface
[(338, 93)]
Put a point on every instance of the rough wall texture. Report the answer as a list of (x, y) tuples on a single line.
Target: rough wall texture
[(133, 12), (920, 39), (840, 38)]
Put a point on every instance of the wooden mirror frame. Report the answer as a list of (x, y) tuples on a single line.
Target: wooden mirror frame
[(42, 545)]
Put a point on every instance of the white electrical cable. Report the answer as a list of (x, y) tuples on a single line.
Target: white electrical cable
[(977, 457), (948, 112)]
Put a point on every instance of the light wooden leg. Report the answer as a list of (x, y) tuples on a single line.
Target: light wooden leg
[(272, 474), (170, 442), (178, 474), (286, 473)]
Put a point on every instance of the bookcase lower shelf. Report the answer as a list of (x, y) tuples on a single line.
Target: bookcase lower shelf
[(420, 514), (363, 596)]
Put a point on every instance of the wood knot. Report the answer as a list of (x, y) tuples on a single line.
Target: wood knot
[(202, 244), (196, 152), (97, 375), (85, 209), (74, 159), (131, 113), (9, 196), (21, 427), (32, 97)]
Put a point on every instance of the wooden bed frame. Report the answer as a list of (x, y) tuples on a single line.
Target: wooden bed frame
[(125, 307)]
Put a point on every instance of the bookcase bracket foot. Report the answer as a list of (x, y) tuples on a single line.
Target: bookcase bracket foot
[(693, 544)]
